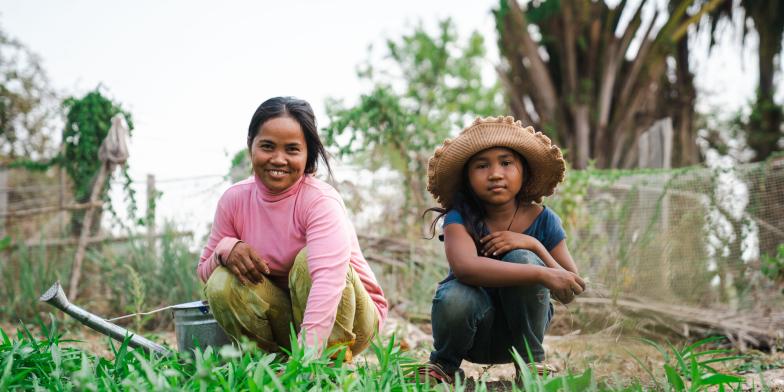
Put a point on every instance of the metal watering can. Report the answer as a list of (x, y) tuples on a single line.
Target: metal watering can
[(193, 324)]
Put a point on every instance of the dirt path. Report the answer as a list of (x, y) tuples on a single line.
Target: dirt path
[(608, 358), (611, 359)]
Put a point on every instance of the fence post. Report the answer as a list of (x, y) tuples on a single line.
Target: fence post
[(655, 146), (105, 171), (150, 215), (3, 200), (64, 217)]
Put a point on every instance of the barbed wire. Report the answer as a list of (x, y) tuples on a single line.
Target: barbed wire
[(178, 179)]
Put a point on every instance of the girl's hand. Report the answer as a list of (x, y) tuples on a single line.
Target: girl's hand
[(564, 285), (246, 264), (501, 242)]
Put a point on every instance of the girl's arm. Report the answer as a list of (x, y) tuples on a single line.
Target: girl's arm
[(563, 257), (481, 271), (501, 242)]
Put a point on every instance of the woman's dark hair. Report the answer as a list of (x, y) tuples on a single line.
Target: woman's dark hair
[(300, 111), (470, 206)]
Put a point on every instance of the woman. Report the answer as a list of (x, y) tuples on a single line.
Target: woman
[(260, 278)]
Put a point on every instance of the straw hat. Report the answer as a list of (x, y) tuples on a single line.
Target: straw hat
[(546, 164)]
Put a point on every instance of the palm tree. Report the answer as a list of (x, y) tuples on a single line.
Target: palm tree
[(594, 85)]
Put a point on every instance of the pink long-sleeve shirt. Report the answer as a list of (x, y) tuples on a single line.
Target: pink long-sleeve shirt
[(277, 226)]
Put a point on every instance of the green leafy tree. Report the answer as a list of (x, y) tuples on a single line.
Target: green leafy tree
[(240, 167), (88, 121), (764, 125), (427, 87), (28, 105)]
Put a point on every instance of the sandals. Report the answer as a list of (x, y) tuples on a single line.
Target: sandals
[(539, 368), (434, 371)]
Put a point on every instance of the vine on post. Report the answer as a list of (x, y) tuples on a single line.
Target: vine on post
[(87, 123)]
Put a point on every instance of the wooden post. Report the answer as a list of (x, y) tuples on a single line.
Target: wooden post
[(64, 217), (150, 218), (3, 201), (106, 170), (655, 146), (62, 214), (112, 152)]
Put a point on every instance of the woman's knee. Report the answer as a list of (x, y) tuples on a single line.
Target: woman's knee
[(299, 273), (219, 286), (523, 256)]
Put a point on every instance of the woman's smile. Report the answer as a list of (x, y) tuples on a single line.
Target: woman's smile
[(278, 173)]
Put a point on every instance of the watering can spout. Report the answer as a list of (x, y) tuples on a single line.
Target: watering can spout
[(55, 296)]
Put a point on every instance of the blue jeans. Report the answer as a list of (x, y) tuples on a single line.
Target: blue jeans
[(482, 324)]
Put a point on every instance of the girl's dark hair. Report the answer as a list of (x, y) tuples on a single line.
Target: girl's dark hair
[(470, 206), (301, 112)]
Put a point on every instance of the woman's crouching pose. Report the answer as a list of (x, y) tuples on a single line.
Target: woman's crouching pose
[(282, 250)]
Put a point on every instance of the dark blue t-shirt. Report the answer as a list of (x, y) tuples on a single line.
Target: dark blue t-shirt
[(546, 227)]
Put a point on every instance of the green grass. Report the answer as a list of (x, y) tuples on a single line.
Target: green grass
[(30, 363), (117, 278), (45, 363), (695, 367), (130, 277)]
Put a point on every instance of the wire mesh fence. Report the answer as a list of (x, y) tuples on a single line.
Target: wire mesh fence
[(695, 236), (30, 203), (692, 236), (36, 206)]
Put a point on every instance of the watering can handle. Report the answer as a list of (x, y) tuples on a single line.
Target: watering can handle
[(141, 313)]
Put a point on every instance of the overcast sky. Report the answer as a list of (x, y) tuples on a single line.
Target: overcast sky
[(192, 73)]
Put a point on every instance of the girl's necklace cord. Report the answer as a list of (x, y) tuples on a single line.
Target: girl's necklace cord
[(513, 217)]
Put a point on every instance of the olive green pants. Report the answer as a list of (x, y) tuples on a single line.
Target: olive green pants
[(264, 312)]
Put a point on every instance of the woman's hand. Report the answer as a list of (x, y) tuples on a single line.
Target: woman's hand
[(501, 242), (246, 264), (564, 285)]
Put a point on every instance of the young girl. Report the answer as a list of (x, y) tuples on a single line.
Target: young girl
[(259, 277), (506, 251)]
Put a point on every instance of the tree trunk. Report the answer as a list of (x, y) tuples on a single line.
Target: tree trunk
[(583, 136), (683, 111), (544, 89), (765, 126)]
